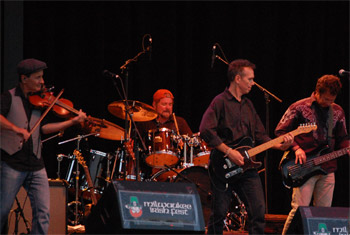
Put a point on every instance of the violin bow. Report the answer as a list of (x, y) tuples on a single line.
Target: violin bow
[(45, 113)]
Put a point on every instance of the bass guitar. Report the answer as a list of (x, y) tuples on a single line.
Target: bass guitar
[(295, 175), (82, 162), (228, 172)]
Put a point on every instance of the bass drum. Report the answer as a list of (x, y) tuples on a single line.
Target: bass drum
[(236, 216), (197, 175)]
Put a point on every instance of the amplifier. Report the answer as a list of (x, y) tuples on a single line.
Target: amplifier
[(58, 209), (147, 207), (320, 220)]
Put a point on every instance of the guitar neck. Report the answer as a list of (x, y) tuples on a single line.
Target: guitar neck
[(271, 143), (90, 185), (330, 156)]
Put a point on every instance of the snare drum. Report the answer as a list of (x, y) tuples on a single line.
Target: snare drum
[(161, 150)]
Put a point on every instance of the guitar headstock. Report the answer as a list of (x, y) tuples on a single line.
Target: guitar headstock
[(306, 127), (129, 145), (79, 157)]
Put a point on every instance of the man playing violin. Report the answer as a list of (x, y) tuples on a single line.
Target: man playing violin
[(21, 161)]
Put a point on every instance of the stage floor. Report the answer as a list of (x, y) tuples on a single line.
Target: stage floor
[(274, 225)]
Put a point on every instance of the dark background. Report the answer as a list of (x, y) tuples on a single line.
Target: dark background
[(291, 43)]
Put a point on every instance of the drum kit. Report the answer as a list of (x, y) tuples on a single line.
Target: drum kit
[(162, 153)]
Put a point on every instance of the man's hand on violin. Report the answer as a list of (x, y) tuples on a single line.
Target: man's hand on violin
[(81, 117), (23, 132)]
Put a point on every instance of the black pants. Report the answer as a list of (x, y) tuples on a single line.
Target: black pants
[(249, 189)]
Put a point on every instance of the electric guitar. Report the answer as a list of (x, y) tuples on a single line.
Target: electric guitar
[(82, 162), (295, 175), (228, 171)]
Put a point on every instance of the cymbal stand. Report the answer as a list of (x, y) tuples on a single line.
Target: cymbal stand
[(77, 173)]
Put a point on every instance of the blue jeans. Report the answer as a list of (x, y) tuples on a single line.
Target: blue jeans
[(37, 186), (249, 189)]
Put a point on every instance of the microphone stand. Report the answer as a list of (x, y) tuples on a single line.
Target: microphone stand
[(267, 95), (20, 211), (125, 66)]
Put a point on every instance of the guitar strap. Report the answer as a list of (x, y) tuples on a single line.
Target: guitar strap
[(330, 126)]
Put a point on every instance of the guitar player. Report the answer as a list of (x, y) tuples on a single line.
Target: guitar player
[(229, 117), (330, 119)]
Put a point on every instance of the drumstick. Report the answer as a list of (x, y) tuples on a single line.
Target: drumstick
[(178, 134), (177, 128)]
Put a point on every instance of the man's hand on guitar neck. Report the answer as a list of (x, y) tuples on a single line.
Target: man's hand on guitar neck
[(288, 139)]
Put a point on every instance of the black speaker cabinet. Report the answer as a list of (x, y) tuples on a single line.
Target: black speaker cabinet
[(320, 220), (147, 207), (58, 209)]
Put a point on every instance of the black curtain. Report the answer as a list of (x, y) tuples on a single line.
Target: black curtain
[(291, 43)]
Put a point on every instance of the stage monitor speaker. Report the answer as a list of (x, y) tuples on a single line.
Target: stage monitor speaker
[(320, 220), (58, 209), (147, 207)]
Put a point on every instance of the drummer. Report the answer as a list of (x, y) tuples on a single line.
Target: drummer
[(163, 102)]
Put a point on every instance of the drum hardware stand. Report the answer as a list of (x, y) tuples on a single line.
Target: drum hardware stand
[(109, 158), (59, 160), (77, 173), (19, 211), (59, 134), (267, 95)]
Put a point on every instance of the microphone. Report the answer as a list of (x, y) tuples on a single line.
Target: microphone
[(108, 74), (344, 73), (213, 56)]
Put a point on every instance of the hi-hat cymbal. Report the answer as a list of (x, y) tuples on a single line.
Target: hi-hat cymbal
[(140, 112), (105, 129)]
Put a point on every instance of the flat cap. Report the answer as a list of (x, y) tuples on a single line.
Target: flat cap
[(162, 93), (29, 66)]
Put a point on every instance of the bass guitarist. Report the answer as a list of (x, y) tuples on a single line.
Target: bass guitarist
[(230, 117), (331, 131)]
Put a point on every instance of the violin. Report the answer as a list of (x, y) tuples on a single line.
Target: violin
[(62, 108), (43, 99)]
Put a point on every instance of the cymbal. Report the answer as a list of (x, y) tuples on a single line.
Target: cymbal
[(140, 112), (106, 129)]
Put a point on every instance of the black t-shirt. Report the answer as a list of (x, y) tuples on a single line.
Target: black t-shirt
[(24, 159)]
